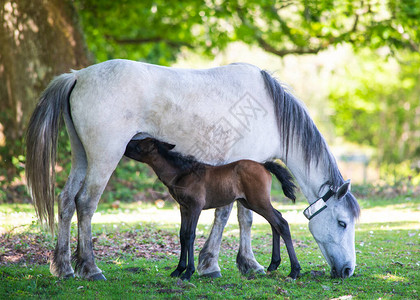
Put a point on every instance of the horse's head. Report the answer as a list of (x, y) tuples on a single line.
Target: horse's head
[(142, 150), (333, 229)]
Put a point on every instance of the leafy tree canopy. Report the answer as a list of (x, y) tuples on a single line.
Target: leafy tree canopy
[(156, 30), (376, 103)]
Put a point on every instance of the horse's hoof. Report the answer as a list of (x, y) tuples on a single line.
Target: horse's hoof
[(68, 276), (96, 277), (215, 274)]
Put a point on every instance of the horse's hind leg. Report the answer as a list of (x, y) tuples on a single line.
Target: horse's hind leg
[(245, 260), (60, 263), (207, 259), (98, 173)]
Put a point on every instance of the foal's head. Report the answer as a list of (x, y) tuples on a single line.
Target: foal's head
[(148, 150), (145, 149)]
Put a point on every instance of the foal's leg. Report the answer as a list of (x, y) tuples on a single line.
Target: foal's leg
[(207, 259), (284, 231), (275, 254), (280, 227), (245, 260), (189, 219)]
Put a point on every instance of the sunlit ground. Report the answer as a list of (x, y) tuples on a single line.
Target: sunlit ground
[(13, 217), (386, 244)]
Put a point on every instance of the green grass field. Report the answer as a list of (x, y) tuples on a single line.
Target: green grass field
[(137, 248)]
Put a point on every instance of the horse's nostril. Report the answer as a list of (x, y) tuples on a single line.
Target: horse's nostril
[(346, 272)]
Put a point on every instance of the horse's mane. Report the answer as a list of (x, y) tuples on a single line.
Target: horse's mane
[(295, 125), (185, 163)]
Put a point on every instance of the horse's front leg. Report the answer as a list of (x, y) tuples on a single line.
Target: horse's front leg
[(207, 259), (245, 260), (189, 219)]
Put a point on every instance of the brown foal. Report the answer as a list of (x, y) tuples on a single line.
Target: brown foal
[(197, 186)]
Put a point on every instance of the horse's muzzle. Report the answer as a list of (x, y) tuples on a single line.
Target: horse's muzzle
[(345, 272)]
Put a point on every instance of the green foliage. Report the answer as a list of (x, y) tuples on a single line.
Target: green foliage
[(134, 181), (156, 31), (131, 181), (375, 102), (152, 31)]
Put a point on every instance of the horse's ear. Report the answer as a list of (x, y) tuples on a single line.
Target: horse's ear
[(167, 146), (343, 189)]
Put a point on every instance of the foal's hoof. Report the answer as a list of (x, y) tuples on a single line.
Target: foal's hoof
[(185, 277), (215, 274), (96, 277), (294, 274), (272, 268), (176, 273)]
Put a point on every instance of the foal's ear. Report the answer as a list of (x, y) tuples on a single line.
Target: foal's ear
[(167, 146), (343, 189)]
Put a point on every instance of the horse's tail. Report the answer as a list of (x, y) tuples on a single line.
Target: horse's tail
[(285, 178), (41, 144)]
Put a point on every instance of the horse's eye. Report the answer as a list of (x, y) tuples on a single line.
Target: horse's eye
[(342, 224)]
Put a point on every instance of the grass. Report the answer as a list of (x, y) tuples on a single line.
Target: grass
[(138, 255)]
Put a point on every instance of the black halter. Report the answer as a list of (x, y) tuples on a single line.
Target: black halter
[(319, 205), (328, 195)]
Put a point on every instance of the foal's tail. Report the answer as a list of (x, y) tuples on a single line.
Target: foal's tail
[(41, 144), (285, 178)]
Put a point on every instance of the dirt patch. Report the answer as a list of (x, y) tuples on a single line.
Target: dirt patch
[(28, 248), (24, 249), (150, 243)]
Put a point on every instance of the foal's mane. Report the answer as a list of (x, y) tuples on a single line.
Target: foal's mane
[(185, 164), (295, 125)]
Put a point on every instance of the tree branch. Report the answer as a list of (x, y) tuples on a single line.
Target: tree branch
[(269, 48), (283, 52), (134, 41), (299, 50)]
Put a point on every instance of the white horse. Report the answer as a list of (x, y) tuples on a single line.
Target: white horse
[(219, 115)]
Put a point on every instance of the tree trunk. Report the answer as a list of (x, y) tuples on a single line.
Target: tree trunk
[(38, 40)]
